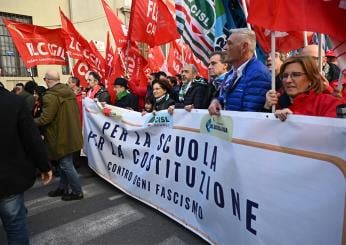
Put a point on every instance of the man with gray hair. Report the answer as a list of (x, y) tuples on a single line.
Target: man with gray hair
[(193, 90), (245, 86)]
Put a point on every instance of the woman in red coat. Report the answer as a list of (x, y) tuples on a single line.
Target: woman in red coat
[(304, 86)]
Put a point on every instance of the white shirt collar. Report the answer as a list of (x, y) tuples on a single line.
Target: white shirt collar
[(241, 68)]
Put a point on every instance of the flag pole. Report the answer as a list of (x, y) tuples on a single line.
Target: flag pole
[(341, 81), (305, 39), (70, 64), (127, 58), (272, 35), (122, 60), (320, 52), (29, 70)]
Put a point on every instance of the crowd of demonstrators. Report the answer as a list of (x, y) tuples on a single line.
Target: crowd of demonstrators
[(244, 87), (96, 88), (62, 134), (21, 153), (330, 71), (304, 85), (125, 99)]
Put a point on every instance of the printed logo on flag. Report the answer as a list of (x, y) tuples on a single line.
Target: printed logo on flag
[(203, 13), (160, 119), (220, 127)]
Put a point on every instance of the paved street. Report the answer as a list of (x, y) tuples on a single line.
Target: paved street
[(104, 216)]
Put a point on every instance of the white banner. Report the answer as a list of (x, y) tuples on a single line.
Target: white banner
[(242, 178)]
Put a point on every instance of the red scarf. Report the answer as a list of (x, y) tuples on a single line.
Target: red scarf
[(92, 92)]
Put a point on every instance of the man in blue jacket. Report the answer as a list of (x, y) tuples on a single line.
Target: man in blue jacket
[(245, 85)]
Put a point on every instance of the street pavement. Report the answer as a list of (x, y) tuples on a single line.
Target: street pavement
[(105, 216)]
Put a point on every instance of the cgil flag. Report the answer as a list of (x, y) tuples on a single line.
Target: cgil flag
[(78, 47), (284, 41), (37, 45), (195, 21), (156, 59), (119, 31), (323, 16), (151, 23)]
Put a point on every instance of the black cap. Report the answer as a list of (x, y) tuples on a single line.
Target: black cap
[(121, 81)]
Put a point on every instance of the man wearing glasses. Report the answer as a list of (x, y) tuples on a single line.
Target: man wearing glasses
[(62, 134)]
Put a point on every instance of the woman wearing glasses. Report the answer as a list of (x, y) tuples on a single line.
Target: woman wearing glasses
[(304, 87)]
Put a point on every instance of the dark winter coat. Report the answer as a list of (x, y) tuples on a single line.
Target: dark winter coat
[(60, 118), (21, 146), (127, 102)]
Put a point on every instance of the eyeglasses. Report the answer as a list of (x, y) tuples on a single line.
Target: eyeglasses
[(293, 75)]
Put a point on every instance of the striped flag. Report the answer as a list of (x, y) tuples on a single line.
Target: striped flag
[(195, 21)]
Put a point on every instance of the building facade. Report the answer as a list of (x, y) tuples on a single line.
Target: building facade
[(87, 15)]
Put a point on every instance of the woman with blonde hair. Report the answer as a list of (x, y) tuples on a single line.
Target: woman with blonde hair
[(304, 86)]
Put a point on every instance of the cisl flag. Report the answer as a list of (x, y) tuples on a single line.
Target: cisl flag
[(151, 23), (324, 16), (37, 45)]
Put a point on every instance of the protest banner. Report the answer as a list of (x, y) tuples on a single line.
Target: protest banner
[(229, 179)]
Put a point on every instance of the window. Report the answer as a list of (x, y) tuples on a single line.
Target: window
[(10, 61)]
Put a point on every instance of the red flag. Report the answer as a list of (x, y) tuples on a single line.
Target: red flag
[(75, 42), (147, 26), (285, 41), (77, 46), (109, 58), (116, 26), (37, 45), (322, 16), (80, 71), (136, 65), (175, 60), (175, 63), (95, 59), (156, 59)]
